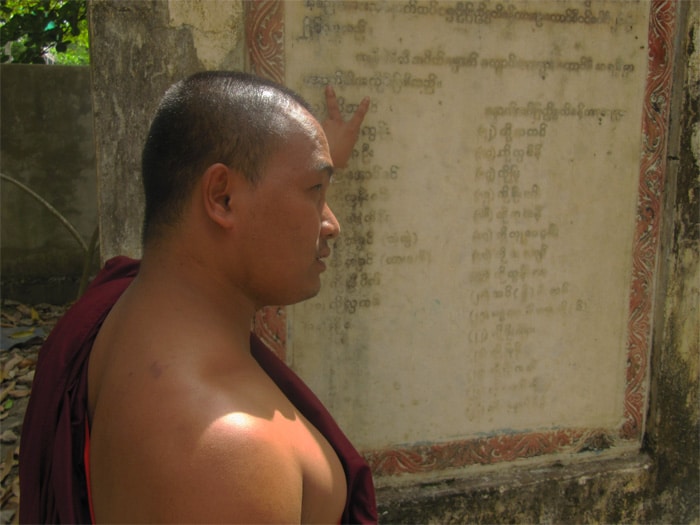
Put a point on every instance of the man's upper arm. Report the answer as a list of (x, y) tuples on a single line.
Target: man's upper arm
[(235, 473)]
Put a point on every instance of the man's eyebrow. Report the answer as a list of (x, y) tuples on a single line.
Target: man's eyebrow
[(330, 170)]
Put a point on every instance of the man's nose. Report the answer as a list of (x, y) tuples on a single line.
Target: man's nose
[(330, 228)]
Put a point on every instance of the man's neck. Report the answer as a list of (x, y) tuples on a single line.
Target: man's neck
[(180, 280)]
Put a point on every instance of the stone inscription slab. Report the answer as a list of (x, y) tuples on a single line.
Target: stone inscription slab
[(481, 282)]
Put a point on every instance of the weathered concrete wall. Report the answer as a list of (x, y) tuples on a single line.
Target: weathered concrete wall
[(47, 144), (139, 48), (674, 415), (614, 490)]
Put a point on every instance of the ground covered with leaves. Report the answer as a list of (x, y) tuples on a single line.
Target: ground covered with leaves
[(24, 329)]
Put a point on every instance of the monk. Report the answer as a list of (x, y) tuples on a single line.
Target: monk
[(179, 413)]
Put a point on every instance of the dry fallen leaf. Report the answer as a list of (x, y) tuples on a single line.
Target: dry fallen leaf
[(7, 464), (22, 392), (24, 309), (4, 393), (10, 366), (8, 437), (15, 487), (26, 379), (6, 494), (27, 362), (10, 320), (17, 365)]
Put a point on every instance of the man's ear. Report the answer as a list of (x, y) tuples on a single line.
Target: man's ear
[(218, 184)]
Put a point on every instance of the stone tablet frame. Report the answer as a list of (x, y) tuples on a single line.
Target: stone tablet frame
[(266, 57)]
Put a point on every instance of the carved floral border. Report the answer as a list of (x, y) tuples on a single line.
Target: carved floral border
[(265, 45), (264, 39), (652, 173)]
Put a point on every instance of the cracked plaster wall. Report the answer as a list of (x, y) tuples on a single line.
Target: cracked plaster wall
[(138, 49)]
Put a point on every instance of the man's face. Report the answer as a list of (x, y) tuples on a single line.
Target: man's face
[(287, 223)]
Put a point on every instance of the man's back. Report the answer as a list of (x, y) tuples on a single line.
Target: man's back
[(187, 428)]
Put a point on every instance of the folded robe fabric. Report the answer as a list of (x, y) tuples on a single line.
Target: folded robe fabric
[(53, 486)]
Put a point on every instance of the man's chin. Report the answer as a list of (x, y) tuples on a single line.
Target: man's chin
[(310, 295), (296, 298)]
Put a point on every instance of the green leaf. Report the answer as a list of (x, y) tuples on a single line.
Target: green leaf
[(33, 26)]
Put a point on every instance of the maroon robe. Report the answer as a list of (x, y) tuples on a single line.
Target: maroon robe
[(53, 484)]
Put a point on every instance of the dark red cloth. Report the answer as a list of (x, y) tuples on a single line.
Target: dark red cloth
[(52, 471), (51, 467)]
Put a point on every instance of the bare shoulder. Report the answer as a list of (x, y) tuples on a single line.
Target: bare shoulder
[(196, 453), (186, 427), (238, 471), (184, 431)]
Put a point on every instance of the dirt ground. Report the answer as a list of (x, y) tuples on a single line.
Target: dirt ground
[(24, 329)]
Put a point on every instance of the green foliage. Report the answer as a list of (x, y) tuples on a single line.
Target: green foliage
[(44, 31)]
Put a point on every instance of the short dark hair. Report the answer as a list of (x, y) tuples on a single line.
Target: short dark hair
[(231, 117)]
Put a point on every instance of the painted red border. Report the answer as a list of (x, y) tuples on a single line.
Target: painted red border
[(264, 39), (265, 43), (264, 35), (652, 174)]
